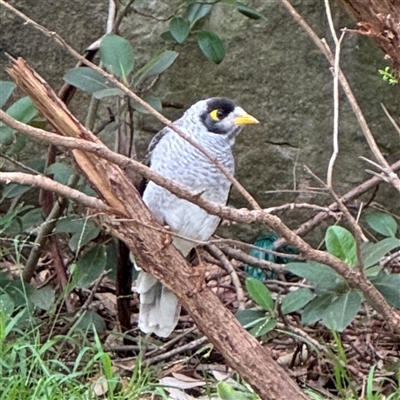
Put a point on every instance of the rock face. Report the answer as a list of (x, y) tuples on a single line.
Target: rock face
[(271, 68)]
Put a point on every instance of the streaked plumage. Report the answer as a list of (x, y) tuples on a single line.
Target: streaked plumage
[(213, 124)]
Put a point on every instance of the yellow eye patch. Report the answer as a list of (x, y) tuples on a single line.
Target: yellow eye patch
[(215, 115)]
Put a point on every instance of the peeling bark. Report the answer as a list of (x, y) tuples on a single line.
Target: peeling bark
[(379, 19)]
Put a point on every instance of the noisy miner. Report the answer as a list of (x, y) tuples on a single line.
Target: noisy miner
[(213, 124)]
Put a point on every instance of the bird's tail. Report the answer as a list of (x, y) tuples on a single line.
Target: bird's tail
[(159, 308)]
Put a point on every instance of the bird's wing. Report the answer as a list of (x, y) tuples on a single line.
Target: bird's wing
[(147, 160)]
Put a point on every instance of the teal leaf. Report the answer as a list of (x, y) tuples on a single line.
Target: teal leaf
[(248, 318), (227, 392), (320, 275), (91, 320), (43, 298), (315, 309), (32, 219), (296, 300), (151, 101), (249, 12), (196, 11), (382, 223), (341, 244), (6, 89), (179, 28), (389, 286), (6, 306), (86, 79), (79, 239), (262, 327), (373, 252), (373, 271), (156, 65), (62, 172), (342, 311), (260, 294), (101, 94), (23, 111), (13, 190), (167, 37), (90, 266), (117, 55), (83, 230), (212, 46)]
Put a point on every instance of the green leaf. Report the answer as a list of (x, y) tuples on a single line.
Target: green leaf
[(13, 190), (79, 239), (22, 110), (260, 294), (373, 252), (389, 286), (227, 392), (6, 89), (248, 318), (341, 244), (18, 291), (86, 79), (156, 65), (117, 55), (84, 230), (32, 219), (373, 271), (62, 172), (152, 101), (8, 220), (382, 223), (167, 37), (296, 300), (315, 309), (249, 12), (90, 266), (320, 275), (90, 320), (179, 28), (72, 224), (196, 11), (43, 298), (342, 311), (6, 306), (212, 46), (101, 94), (263, 327)]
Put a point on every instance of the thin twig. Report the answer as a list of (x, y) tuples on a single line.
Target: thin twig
[(53, 186), (136, 98), (216, 252), (178, 350)]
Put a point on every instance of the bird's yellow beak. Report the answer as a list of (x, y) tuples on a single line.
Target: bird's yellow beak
[(245, 119)]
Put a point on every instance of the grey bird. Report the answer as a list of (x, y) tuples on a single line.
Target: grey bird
[(213, 124)]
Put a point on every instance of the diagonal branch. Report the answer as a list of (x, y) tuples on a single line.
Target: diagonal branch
[(154, 251)]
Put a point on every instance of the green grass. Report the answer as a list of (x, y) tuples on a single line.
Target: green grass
[(64, 367)]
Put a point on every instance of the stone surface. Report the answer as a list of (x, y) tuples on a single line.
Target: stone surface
[(272, 69)]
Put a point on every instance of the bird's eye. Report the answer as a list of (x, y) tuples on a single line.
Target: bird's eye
[(216, 115)]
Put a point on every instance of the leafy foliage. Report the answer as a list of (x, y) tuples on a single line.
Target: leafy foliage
[(329, 300)]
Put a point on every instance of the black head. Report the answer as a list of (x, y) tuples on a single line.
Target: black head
[(217, 109)]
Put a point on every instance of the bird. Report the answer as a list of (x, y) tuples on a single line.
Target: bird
[(214, 124)]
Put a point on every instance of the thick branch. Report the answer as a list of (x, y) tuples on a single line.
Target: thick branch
[(155, 253)]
